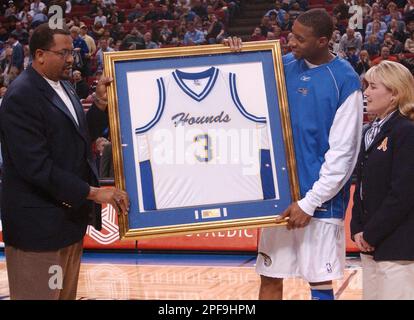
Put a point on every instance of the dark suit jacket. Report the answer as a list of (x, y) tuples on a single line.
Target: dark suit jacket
[(385, 213), (48, 165), (82, 89), (17, 56), (106, 169)]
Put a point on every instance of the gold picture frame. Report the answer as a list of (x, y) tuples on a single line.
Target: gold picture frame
[(265, 57)]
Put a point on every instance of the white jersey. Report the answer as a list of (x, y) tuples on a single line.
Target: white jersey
[(203, 147)]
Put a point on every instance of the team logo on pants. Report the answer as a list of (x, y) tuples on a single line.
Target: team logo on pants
[(329, 267), (267, 260)]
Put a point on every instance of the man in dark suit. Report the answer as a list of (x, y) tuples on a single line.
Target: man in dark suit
[(80, 85), (50, 183), (17, 59)]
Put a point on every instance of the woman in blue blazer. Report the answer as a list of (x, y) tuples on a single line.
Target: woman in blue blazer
[(382, 222)]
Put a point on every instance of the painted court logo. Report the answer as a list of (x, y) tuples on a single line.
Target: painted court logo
[(109, 232), (266, 259)]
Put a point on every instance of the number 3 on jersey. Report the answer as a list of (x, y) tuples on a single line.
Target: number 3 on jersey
[(205, 140)]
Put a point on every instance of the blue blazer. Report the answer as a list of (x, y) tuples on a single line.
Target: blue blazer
[(48, 165), (18, 56), (384, 206)]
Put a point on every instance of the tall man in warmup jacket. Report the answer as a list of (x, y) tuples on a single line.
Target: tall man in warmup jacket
[(326, 105)]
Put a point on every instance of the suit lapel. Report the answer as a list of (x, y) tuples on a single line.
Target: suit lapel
[(11, 60), (81, 128), (77, 106), (82, 122), (51, 95), (364, 131), (383, 132)]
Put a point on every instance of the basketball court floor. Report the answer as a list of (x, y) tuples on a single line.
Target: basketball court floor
[(184, 276)]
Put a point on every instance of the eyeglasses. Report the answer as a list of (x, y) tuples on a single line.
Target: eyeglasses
[(63, 53)]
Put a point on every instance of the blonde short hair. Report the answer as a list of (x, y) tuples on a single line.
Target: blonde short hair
[(75, 29), (399, 80)]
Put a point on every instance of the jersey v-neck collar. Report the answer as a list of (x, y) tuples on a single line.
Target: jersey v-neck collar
[(210, 73)]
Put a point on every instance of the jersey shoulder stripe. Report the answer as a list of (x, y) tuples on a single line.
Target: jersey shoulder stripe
[(237, 102), (160, 109)]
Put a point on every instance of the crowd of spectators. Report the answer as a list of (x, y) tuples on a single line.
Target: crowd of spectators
[(385, 32)]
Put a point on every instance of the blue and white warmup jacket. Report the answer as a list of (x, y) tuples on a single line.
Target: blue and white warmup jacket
[(326, 108)]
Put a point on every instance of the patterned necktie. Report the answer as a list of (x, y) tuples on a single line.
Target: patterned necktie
[(372, 133)]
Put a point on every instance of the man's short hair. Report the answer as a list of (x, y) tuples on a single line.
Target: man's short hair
[(13, 36), (319, 20), (409, 17), (42, 38)]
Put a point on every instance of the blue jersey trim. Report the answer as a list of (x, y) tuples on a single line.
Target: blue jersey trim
[(237, 102), (212, 73), (266, 175), (160, 109), (147, 184)]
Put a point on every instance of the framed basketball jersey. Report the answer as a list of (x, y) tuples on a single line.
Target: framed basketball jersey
[(201, 138)]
